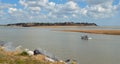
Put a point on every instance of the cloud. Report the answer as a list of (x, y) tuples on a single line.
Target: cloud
[(102, 10), (4, 5), (35, 9), (118, 6), (22, 2), (51, 9), (3, 8), (44, 10), (95, 9), (71, 5), (76, 0), (11, 10), (96, 2), (92, 2), (84, 11)]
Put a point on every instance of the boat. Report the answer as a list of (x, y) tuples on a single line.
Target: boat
[(85, 37)]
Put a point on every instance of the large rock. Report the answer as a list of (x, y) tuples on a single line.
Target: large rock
[(36, 52)]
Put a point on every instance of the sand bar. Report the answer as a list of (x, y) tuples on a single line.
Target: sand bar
[(110, 32)]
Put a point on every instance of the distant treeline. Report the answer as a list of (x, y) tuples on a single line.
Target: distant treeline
[(52, 24)]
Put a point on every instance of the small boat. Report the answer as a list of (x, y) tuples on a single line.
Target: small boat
[(85, 37)]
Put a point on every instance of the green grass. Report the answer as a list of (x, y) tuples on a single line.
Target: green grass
[(24, 53)]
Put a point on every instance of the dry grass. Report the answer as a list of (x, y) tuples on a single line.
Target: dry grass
[(110, 32), (14, 57)]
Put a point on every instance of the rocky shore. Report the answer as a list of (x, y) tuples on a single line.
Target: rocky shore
[(25, 56)]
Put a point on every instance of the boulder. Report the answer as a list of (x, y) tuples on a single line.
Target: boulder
[(36, 52)]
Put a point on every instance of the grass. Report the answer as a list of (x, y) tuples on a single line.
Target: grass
[(24, 53), (17, 57)]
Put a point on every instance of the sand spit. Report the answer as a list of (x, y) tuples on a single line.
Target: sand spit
[(109, 32)]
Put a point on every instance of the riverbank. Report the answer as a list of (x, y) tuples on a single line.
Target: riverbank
[(109, 32), (58, 26), (21, 57), (18, 57)]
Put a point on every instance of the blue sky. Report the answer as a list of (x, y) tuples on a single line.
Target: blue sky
[(101, 12)]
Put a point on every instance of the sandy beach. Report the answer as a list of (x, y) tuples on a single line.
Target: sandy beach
[(110, 32), (94, 31), (57, 26)]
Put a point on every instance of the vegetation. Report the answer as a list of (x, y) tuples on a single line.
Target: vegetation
[(52, 24), (19, 57), (24, 53)]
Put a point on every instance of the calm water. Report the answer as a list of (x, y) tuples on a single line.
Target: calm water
[(102, 49)]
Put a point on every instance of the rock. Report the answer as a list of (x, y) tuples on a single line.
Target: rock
[(18, 47), (36, 52), (26, 50), (2, 43), (68, 60), (30, 53), (49, 59)]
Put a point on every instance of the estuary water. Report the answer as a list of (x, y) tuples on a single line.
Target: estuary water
[(101, 49)]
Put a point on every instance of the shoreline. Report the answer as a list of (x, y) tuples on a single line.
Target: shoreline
[(108, 32), (26, 56), (58, 26), (53, 26), (93, 31)]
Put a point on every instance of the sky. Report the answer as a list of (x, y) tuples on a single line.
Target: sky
[(101, 12)]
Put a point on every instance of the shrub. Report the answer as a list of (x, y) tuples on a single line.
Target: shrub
[(24, 53)]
